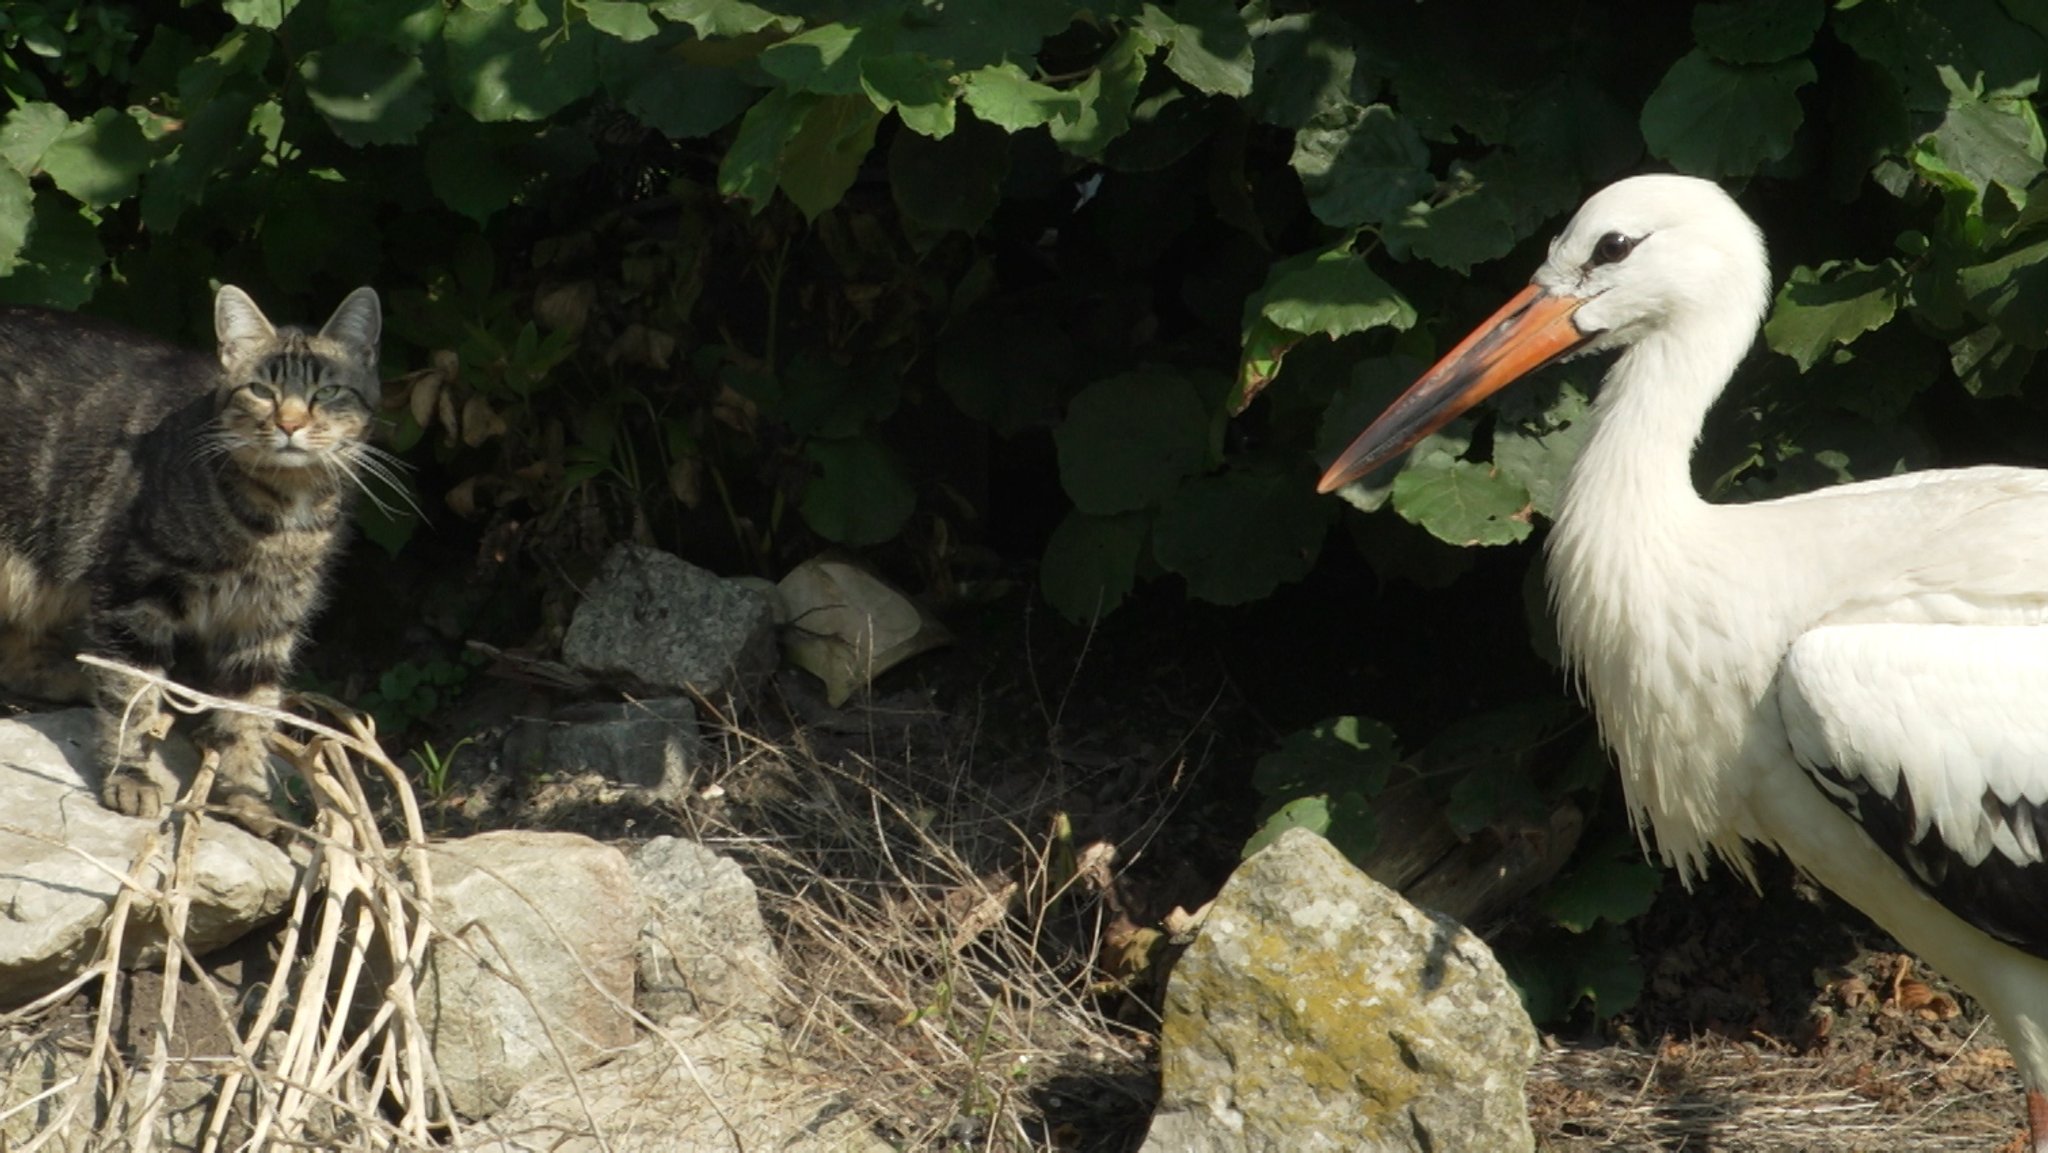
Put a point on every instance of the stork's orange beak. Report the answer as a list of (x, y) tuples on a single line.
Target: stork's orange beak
[(1528, 332)]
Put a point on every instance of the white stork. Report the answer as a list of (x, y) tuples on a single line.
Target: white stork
[(1856, 677)]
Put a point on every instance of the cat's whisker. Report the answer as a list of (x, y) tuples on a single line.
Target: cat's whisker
[(361, 460)]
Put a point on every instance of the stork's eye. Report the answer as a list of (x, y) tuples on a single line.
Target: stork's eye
[(1612, 248)]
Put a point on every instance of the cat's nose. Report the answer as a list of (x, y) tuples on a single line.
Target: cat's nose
[(290, 418)]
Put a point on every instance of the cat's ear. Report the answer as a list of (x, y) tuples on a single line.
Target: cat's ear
[(237, 322), (357, 323)]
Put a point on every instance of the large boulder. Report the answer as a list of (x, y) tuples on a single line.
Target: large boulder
[(60, 852), (533, 961), (1318, 1010), (653, 620)]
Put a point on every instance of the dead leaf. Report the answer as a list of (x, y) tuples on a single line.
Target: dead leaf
[(686, 481), (444, 409), (426, 389), (480, 422), (640, 344), (733, 410), (564, 306), (1922, 1000), (1854, 992)]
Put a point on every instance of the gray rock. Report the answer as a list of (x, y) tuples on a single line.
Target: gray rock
[(655, 620), (707, 1088), (54, 897), (1317, 1010), (543, 968), (705, 951), (646, 744)]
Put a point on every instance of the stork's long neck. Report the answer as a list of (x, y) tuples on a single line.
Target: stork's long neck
[(1632, 570)]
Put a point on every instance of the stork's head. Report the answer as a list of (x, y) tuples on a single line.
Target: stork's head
[(1645, 255)]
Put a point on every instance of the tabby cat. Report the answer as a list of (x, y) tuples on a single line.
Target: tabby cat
[(176, 513)]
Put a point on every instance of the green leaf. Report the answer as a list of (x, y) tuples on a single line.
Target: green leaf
[(1467, 223), (1128, 440), (17, 210), (1912, 39), (752, 167), (682, 100), (213, 139), (720, 18), (860, 497), (817, 397), (1557, 974), (1008, 367), (369, 93), (1303, 67), (99, 160), (1238, 536), (823, 159), (467, 170), (1373, 385), (2012, 292), (1337, 753), (626, 19), (1106, 98), (1208, 45), (1983, 142), (259, 13), (1757, 31), (28, 133), (1344, 819), (60, 265), (954, 183), (826, 60), (1361, 165), (1988, 364), (1462, 503), (407, 25), (1602, 890), (1714, 119), (1091, 563), (1004, 96), (1538, 437), (1336, 295), (1821, 308), (915, 87), (498, 69)]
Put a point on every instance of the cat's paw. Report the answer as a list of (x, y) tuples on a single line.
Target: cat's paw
[(252, 811), (131, 792)]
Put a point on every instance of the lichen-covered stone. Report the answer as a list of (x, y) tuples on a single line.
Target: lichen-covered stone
[(1318, 1010)]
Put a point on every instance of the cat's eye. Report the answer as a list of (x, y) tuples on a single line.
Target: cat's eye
[(263, 392), (327, 393)]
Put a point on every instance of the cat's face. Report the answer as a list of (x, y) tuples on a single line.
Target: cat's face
[(291, 400)]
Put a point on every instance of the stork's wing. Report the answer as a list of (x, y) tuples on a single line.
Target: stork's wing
[(1935, 739)]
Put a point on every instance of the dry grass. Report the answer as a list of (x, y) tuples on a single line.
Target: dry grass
[(945, 940), (325, 1050), (1711, 1093)]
